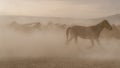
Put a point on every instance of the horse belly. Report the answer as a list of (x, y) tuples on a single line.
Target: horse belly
[(83, 36), (86, 34)]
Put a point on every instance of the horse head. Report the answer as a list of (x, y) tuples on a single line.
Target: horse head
[(106, 24)]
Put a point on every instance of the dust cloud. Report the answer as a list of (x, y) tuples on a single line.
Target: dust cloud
[(52, 44)]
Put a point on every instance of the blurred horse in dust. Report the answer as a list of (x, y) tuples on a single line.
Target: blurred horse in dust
[(25, 27), (87, 32)]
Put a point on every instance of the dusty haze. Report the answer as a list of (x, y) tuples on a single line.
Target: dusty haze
[(52, 44), (45, 46)]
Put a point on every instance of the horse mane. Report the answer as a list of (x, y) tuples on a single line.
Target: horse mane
[(100, 23)]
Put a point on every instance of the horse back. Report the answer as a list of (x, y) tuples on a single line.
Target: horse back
[(83, 32)]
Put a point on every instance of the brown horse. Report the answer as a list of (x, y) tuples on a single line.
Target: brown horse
[(87, 32)]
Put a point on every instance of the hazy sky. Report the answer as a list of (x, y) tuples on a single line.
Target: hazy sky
[(60, 8)]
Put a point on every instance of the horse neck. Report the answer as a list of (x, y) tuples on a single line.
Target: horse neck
[(98, 28)]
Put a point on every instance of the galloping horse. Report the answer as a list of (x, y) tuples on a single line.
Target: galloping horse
[(87, 32)]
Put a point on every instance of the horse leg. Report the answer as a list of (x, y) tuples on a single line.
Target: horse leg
[(69, 40), (92, 41), (76, 39), (99, 43)]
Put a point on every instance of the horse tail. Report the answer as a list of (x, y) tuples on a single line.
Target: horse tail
[(67, 32)]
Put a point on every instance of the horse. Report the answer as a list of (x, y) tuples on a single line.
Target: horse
[(35, 25), (25, 27), (60, 26), (87, 32), (49, 25)]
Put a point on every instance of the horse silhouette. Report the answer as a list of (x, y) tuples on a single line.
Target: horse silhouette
[(87, 32)]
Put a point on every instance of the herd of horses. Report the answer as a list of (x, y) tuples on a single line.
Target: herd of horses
[(86, 32), (30, 27)]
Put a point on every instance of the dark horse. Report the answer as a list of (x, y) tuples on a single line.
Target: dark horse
[(87, 32)]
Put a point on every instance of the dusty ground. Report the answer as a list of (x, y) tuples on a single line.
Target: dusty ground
[(59, 63), (47, 49)]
